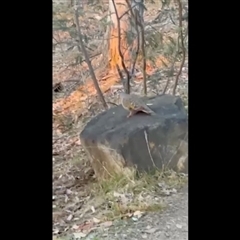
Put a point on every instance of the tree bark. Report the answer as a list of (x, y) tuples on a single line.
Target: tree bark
[(125, 39), (118, 41)]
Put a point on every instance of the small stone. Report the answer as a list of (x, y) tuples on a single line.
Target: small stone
[(179, 226)]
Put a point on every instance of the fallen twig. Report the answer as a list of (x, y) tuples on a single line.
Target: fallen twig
[(149, 151)]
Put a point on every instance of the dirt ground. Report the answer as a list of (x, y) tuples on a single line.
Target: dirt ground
[(171, 224)]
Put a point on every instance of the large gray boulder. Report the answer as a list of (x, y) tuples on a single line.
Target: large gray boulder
[(116, 144)]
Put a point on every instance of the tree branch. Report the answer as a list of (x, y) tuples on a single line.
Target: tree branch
[(182, 46), (138, 42), (95, 82), (144, 58), (138, 22), (127, 85)]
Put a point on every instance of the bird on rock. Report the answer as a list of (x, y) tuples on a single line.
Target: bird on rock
[(134, 104)]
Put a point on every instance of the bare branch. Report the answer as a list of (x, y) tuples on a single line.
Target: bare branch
[(171, 70), (127, 85), (138, 22), (144, 58), (182, 46), (166, 86), (138, 42), (121, 76), (99, 92)]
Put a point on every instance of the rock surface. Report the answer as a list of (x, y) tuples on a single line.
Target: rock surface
[(115, 144)]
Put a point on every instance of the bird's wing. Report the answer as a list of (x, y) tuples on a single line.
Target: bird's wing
[(134, 104)]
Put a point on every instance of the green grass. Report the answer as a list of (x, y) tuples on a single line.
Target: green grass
[(123, 195)]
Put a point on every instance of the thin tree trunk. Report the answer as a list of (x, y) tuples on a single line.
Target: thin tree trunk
[(115, 57), (95, 82)]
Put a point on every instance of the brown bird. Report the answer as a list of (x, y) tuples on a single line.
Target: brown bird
[(134, 104)]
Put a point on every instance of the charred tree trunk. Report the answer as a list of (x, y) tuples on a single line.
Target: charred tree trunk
[(123, 41), (118, 28)]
